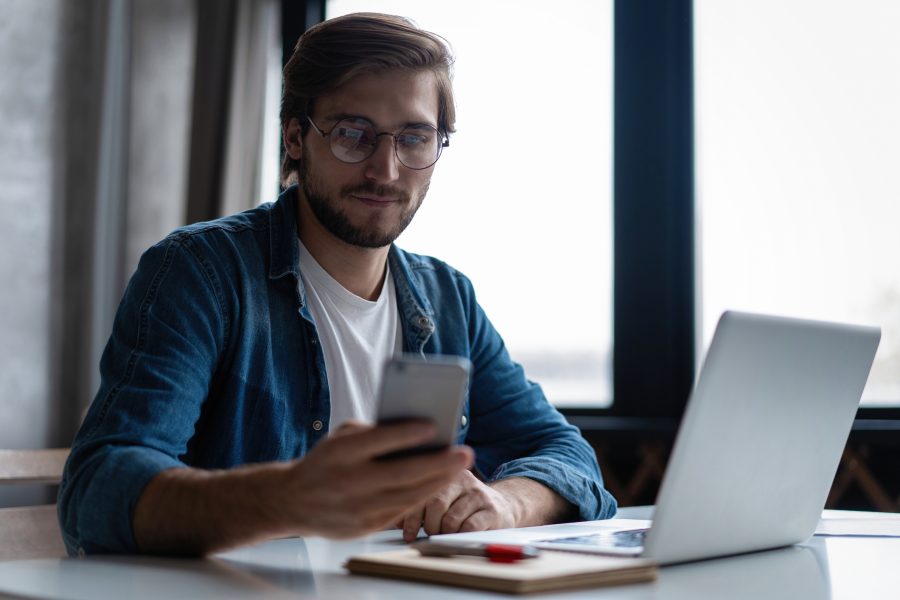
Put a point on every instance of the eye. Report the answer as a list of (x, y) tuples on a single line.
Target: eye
[(412, 139), (358, 135), (349, 133), (418, 136)]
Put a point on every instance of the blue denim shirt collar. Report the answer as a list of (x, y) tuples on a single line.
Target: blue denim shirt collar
[(284, 248), (416, 312)]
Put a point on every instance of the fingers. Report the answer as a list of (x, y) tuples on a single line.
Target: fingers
[(481, 520), (349, 427), (422, 477), (351, 501), (398, 485), (466, 505), (342, 490), (452, 505), (416, 470), (401, 499), (373, 476), (411, 523), (367, 442), (462, 510), (436, 508)]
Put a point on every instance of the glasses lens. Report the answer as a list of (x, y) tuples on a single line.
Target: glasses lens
[(419, 146), (353, 140)]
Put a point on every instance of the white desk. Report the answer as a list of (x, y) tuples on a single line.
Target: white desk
[(832, 568)]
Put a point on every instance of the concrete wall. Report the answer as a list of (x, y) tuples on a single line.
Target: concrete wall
[(29, 60), (52, 73)]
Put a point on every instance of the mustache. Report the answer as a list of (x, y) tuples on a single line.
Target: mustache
[(377, 190)]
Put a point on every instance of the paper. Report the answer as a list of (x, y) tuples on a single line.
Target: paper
[(860, 527)]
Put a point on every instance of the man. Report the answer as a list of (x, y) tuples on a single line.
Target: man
[(241, 343)]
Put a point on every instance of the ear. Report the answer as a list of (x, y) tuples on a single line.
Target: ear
[(293, 141)]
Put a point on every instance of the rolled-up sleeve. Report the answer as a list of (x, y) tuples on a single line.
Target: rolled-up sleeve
[(156, 371)]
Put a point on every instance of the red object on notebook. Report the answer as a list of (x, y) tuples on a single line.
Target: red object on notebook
[(500, 553)]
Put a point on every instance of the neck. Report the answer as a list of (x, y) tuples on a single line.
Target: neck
[(359, 270)]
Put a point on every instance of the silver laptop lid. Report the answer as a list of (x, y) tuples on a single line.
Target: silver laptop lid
[(762, 436)]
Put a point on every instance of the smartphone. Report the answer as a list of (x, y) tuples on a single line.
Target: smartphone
[(432, 388)]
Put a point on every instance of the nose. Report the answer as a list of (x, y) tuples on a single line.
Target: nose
[(383, 166)]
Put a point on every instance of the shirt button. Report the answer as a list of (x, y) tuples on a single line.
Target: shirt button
[(464, 420), (317, 425), (313, 341)]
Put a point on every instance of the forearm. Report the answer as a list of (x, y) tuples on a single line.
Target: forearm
[(533, 503), (340, 489), (192, 511)]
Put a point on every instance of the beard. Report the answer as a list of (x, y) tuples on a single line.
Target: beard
[(327, 211)]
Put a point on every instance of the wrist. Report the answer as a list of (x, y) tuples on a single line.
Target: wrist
[(533, 503), (511, 490), (284, 508)]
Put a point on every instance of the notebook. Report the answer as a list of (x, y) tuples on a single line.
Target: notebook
[(756, 452), (549, 571)]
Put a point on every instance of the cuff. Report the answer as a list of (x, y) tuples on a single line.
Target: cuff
[(587, 494), (97, 502)]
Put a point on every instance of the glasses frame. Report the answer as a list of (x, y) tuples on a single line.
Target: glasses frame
[(445, 142)]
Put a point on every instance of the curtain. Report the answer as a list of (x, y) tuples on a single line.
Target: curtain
[(123, 119)]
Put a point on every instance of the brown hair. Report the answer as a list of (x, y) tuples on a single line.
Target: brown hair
[(335, 51)]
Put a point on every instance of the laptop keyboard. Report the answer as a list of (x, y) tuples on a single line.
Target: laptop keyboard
[(631, 538)]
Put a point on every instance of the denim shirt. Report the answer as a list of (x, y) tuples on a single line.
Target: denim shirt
[(214, 361)]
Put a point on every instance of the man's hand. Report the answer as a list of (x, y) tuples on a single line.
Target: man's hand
[(340, 489), (468, 504)]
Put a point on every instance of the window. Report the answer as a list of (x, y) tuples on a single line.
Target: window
[(798, 188), (521, 200)]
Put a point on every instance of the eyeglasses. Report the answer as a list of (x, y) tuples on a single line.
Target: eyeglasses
[(355, 139)]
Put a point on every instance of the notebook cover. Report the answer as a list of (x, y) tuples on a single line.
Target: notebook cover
[(549, 571)]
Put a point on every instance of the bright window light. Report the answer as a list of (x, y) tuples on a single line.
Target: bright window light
[(797, 165), (521, 200)]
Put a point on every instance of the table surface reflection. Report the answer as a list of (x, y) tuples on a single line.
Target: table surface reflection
[(833, 567)]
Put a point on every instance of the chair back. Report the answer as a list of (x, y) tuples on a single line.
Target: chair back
[(31, 531)]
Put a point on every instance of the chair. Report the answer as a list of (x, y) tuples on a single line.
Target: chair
[(31, 531)]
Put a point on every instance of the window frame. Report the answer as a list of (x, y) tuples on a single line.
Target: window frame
[(655, 289)]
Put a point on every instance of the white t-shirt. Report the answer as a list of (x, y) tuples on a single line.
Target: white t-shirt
[(357, 335)]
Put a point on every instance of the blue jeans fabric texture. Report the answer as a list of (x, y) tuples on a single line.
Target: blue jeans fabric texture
[(214, 361)]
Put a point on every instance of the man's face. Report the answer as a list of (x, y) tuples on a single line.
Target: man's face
[(369, 203)]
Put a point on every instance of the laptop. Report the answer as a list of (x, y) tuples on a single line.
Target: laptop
[(756, 453)]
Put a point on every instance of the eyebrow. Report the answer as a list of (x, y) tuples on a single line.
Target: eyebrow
[(344, 115)]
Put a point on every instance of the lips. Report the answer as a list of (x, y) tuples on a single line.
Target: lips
[(377, 199), (372, 195)]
